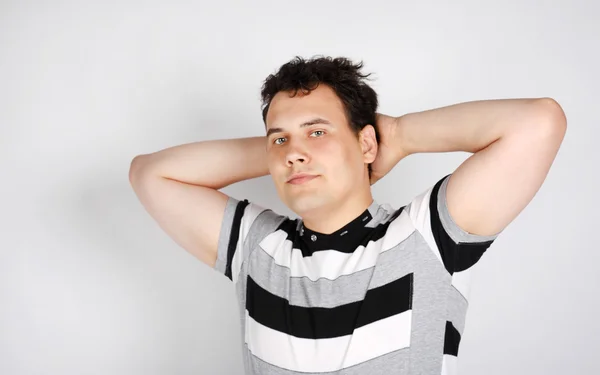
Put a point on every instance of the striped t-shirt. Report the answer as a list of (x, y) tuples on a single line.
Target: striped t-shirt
[(385, 294)]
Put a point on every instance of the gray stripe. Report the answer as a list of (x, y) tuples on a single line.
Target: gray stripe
[(381, 214), (224, 235), (397, 360), (430, 290), (302, 291), (456, 233), (265, 223), (457, 309)]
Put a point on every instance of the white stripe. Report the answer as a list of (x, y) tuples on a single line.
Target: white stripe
[(420, 215), (399, 230), (332, 264), (321, 355), (462, 282), (450, 365), (251, 212)]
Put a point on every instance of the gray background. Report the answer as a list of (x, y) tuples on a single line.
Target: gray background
[(89, 284)]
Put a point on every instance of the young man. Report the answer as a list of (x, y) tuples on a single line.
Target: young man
[(351, 286)]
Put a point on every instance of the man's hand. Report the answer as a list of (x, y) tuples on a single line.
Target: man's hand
[(388, 152)]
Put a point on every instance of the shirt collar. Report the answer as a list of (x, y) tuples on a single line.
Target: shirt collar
[(354, 230)]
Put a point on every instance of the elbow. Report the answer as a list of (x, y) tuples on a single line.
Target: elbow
[(136, 166), (553, 118)]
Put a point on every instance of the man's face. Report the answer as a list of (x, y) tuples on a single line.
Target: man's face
[(309, 134)]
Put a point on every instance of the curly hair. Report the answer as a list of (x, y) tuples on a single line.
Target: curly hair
[(341, 74)]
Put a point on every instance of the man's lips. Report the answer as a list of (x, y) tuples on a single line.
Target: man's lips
[(300, 179)]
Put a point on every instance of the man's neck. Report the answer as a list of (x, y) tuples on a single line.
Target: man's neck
[(329, 220)]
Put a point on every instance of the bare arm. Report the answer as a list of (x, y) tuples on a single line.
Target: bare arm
[(513, 141), (213, 164), (178, 187)]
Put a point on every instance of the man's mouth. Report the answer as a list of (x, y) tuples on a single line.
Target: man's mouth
[(301, 179)]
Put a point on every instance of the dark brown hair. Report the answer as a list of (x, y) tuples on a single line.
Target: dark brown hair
[(340, 73)]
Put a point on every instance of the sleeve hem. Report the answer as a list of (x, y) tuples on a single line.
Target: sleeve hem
[(455, 232), (225, 234)]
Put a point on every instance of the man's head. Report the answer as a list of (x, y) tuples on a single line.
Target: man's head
[(320, 117)]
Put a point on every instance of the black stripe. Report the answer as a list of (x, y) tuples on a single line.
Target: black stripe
[(348, 243), (451, 340), (319, 322), (469, 254), (456, 257), (234, 235)]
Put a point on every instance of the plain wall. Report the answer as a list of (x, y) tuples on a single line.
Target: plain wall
[(89, 284)]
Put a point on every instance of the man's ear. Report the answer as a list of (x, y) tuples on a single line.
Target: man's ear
[(368, 143)]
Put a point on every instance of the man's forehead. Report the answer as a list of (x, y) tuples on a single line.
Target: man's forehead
[(300, 116)]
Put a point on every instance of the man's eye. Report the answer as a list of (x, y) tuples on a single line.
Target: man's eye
[(280, 140)]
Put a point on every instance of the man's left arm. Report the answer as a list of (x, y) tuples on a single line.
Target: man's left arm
[(514, 143)]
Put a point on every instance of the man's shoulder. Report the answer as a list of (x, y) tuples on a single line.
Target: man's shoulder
[(255, 217)]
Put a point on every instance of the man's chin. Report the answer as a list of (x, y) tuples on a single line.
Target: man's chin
[(303, 205)]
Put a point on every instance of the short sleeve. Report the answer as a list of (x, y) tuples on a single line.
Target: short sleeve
[(244, 225), (459, 250)]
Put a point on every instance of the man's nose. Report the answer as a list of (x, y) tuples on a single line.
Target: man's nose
[(295, 160), (296, 155)]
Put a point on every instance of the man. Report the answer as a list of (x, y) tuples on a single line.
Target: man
[(351, 286)]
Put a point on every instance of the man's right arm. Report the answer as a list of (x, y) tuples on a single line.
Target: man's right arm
[(178, 187)]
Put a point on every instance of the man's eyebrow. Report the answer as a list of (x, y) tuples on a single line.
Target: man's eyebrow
[(314, 121)]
